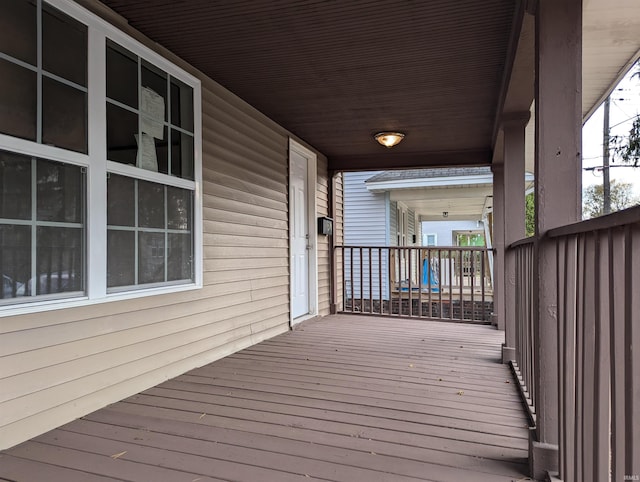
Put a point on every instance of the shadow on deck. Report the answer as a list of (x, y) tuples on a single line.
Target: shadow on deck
[(347, 398)]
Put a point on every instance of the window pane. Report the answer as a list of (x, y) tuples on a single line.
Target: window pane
[(121, 258), (181, 154), (15, 259), (151, 257), (178, 208), (122, 130), (162, 152), (18, 101), (179, 257), (59, 260), (122, 75), (156, 80), (120, 201), (150, 205), (64, 116), (181, 105), (18, 30), (64, 45), (15, 185), (60, 192)]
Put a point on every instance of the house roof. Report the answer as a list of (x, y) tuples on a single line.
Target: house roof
[(334, 73), (409, 174)]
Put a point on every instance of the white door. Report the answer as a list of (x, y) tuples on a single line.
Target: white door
[(300, 242)]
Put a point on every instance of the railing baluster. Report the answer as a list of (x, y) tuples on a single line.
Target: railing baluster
[(420, 284), (617, 269), (461, 284), (482, 284), (353, 294), (380, 280), (430, 283), (440, 315), (409, 284), (632, 353), (451, 276), (472, 273)]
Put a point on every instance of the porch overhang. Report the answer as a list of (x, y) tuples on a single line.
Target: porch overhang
[(333, 73)]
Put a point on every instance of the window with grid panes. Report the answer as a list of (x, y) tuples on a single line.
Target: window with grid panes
[(99, 159)]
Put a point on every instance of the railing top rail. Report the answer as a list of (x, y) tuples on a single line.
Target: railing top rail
[(523, 242), (613, 220), (432, 248)]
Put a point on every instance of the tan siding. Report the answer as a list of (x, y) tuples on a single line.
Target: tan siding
[(62, 364), (322, 208)]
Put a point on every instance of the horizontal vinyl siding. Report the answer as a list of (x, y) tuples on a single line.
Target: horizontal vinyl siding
[(364, 212), (365, 224), (59, 365), (393, 223), (411, 221), (324, 264)]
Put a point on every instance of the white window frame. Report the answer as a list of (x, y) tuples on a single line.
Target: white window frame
[(435, 239), (97, 167)]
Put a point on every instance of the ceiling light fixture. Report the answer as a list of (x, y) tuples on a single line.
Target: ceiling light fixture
[(388, 139)]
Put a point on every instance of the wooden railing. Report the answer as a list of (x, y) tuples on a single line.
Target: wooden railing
[(524, 365), (425, 282), (598, 334)]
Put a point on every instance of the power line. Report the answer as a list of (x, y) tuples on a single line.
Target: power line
[(626, 120), (602, 168)]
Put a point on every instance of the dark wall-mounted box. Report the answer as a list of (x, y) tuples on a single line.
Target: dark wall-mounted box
[(325, 226)]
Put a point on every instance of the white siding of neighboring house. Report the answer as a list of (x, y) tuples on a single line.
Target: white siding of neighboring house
[(366, 223), (411, 220), (393, 223), (62, 364), (444, 230)]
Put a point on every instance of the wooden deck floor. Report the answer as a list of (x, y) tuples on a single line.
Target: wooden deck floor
[(347, 398)]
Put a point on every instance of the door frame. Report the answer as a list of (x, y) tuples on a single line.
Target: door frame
[(312, 174)]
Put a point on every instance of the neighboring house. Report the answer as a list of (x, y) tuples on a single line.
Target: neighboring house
[(385, 208), (429, 207), (448, 233)]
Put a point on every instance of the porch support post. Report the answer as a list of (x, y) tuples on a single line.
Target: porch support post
[(499, 246), (514, 215), (558, 90)]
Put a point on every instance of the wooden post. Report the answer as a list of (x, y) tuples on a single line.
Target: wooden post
[(558, 90), (499, 246), (514, 216)]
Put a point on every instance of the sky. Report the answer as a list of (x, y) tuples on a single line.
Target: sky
[(624, 107)]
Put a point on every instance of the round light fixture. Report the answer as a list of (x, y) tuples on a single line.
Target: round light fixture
[(389, 139)]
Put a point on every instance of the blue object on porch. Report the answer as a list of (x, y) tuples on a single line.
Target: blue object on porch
[(429, 277)]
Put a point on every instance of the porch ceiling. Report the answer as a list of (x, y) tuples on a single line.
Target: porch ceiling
[(334, 73)]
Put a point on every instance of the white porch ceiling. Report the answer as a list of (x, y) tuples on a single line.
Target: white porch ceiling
[(610, 45), (461, 203)]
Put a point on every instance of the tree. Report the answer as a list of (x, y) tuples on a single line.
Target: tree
[(530, 215), (621, 198), (627, 148)]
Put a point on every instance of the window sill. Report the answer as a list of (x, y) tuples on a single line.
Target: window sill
[(67, 303)]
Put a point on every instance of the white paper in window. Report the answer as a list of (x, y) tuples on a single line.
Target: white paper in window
[(147, 158), (152, 109)]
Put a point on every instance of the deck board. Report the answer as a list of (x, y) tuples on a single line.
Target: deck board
[(346, 398)]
